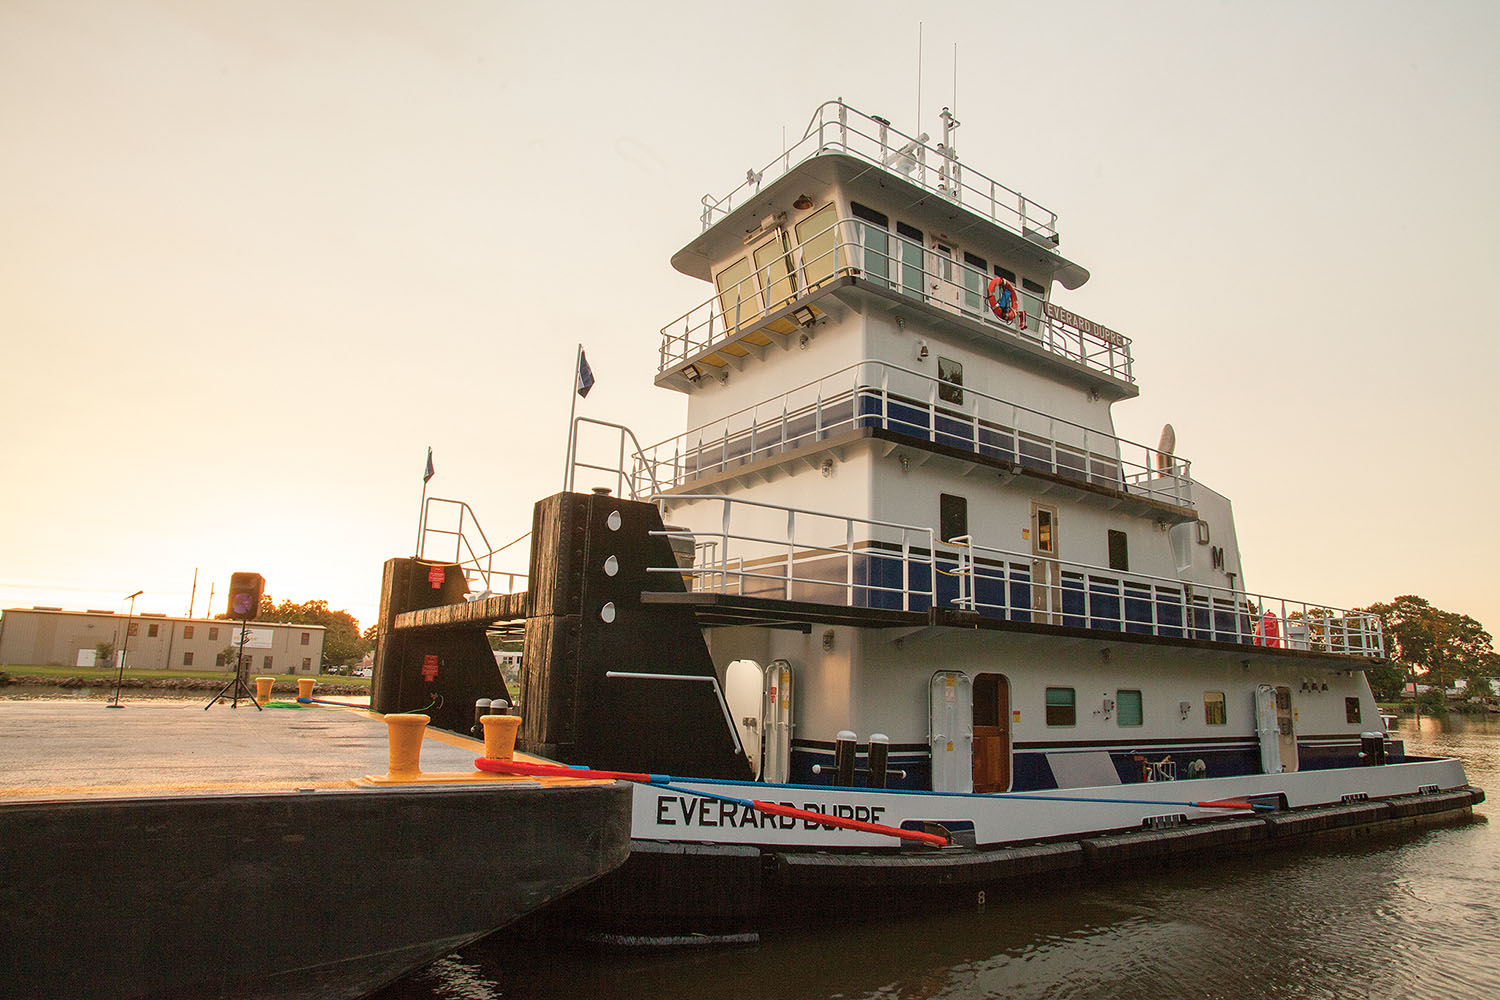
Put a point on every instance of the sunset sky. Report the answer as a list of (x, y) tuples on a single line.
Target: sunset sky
[(257, 256)]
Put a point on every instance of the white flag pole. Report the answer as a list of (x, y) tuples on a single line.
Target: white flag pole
[(572, 414)]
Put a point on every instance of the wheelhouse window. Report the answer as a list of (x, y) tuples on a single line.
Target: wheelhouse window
[(1213, 708), (873, 229), (976, 269), (1119, 552), (1062, 707), (912, 267), (772, 264), (1351, 709), (1032, 295), (817, 235), (950, 381), (738, 295), (1128, 708), (953, 517)]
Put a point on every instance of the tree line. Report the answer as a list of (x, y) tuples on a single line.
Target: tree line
[(1428, 644)]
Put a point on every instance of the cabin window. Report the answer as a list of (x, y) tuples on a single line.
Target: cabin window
[(187, 659), (873, 232), (1062, 708), (1046, 541), (775, 272), (187, 631), (976, 271), (1213, 708), (1032, 295), (1119, 551), (737, 292), (1128, 710), (944, 262), (950, 379), (1351, 709), (912, 268), (1006, 273), (953, 517), (818, 236)]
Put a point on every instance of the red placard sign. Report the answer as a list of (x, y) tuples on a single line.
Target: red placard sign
[(429, 668), (435, 577)]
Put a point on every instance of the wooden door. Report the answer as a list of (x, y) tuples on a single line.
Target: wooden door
[(991, 733)]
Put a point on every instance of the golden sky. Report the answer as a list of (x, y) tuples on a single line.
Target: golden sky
[(257, 256)]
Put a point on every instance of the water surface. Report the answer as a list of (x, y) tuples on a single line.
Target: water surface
[(1417, 917)]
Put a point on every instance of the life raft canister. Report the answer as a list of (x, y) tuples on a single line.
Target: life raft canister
[(1268, 631), (1007, 305)]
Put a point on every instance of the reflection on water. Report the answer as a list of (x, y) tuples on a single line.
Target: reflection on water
[(1417, 918)]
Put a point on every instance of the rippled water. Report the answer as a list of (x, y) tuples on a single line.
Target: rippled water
[(1411, 918)]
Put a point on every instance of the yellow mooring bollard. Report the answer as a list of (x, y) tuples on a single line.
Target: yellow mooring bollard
[(405, 735), (500, 736), (305, 686), (263, 688)]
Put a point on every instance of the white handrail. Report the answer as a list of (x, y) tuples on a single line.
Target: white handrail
[(816, 409), (853, 133), (961, 290)]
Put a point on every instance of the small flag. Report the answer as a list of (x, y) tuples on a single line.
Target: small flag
[(585, 380), (428, 474)]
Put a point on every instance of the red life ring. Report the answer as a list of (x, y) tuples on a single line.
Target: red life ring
[(1008, 305)]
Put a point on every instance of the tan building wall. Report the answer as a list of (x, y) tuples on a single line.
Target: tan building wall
[(51, 636)]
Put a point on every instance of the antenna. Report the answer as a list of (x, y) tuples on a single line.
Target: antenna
[(919, 78)]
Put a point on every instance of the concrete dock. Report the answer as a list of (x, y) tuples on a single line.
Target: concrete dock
[(161, 849)]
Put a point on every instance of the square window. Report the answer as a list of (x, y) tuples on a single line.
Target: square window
[(1119, 551), (187, 631), (187, 659), (950, 379), (1128, 710), (1062, 707), (953, 517), (1351, 709), (1214, 713), (151, 630)]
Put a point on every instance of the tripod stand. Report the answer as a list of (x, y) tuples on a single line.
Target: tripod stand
[(238, 683)]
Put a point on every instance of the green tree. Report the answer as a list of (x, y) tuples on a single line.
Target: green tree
[(1386, 680), (1440, 645), (342, 642)]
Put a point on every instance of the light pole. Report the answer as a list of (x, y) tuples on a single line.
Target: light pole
[(123, 648)]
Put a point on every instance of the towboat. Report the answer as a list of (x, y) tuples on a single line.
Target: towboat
[(901, 611)]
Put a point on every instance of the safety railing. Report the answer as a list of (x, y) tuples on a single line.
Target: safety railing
[(878, 394), (903, 266), (998, 583), (641, 480), (764, 550), (788, 553), (837, 128), (476, 562)]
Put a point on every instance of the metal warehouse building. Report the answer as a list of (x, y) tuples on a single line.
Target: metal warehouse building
[(52, 636)]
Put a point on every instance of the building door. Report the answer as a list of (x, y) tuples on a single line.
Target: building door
[(1046, 579), (991, 733)]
